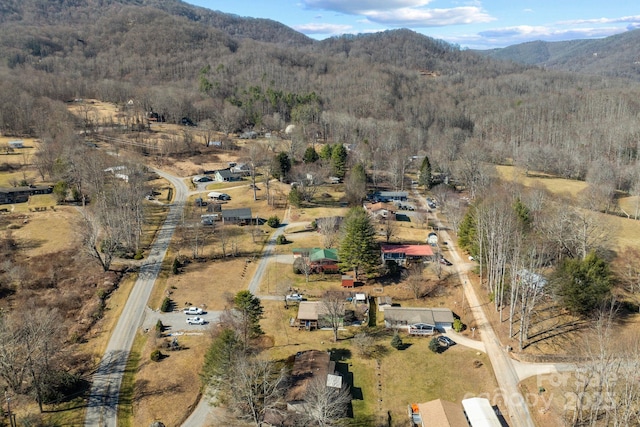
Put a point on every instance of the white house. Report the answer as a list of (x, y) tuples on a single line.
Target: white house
[(403, 317)]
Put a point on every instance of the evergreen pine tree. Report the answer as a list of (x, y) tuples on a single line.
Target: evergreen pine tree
[(396, 341), (339, 160), (358, 248), (425, 173)]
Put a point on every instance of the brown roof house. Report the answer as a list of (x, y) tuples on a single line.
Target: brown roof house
[(308, 366), (437, 413), (380, 210), (311, 369), (313, 315)]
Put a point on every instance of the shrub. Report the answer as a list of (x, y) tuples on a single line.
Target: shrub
[(138, 255), (434, 345), (396, 341), (281, 240), (175, 268), (156, 355), (166, 305), (458, 325), (273, 221), (295, 197)]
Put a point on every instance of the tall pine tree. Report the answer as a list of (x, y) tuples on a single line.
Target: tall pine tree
[(339, 160), (358, 249), (425, 173)]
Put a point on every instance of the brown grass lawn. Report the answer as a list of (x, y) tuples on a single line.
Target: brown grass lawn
[(546, 407), (46, 232), (279, 277), (210, 283), (553, 184), (407, 376), (168, 390)]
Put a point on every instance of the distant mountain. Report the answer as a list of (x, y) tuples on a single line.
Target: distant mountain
[(36, 12), (615, 56)]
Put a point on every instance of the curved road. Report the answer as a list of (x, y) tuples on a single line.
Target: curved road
[(503, 368), (102, 407)]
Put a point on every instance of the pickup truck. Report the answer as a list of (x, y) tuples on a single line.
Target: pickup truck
[(193, 311)]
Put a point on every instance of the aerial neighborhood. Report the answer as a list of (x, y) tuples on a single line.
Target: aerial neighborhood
[(210, 220)]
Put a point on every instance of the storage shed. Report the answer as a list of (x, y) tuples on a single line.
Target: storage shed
[(347, 281)]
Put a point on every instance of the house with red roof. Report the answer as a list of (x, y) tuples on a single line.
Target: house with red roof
[(403, 253)]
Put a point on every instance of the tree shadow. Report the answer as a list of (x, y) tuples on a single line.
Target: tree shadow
[(347, 377), (404, 346), (339, 354), (558, 330)]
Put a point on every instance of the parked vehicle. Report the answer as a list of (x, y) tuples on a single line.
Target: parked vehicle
[(195, 321), (193, 311), (445, 341), (444, 261), (218, 195), (294, 297)]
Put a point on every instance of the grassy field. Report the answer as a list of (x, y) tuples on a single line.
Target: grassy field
[(623, 232), (167, 390), (552, 184)]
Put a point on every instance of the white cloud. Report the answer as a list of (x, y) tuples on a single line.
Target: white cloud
[(502, 37), (315, 28), (361, 7), (418, 18), (623, 19)]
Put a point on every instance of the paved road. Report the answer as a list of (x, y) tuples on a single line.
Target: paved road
[(102, 407), (205, 414), (504, 369)]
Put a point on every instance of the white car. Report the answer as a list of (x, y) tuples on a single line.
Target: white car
[(195, 321), (193, 310), (294, 297)]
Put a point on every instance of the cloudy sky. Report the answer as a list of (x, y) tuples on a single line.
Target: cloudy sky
[(474, 24)]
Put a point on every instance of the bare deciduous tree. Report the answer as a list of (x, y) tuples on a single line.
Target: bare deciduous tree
[(325, 406), (102, 246), (333, 311), (416, 282), (389, 227), (257, 388), (29, 351)]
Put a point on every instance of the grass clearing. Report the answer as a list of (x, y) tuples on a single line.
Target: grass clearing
[(169, 389), (553, 184), (47, 231), (279, 277), (407, 376), (209, 283)]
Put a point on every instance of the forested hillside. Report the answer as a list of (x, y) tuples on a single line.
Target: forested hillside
[(615, 56), (393, 93)]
